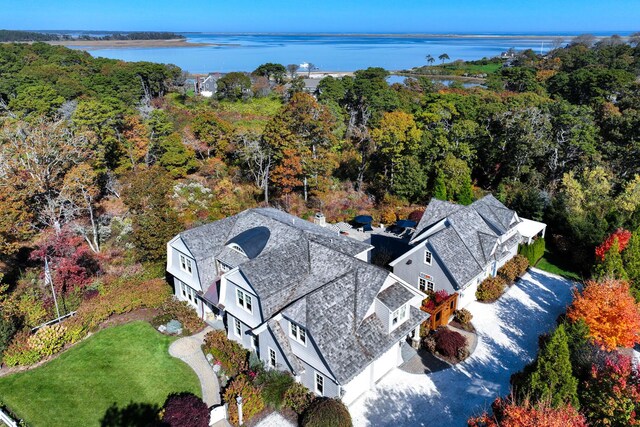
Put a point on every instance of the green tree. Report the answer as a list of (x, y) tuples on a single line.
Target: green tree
[(457, 176), (443, 57), (440, 187), (271, 71), (175, 157), (234, 86), (37, 100), (631, 260), (154, 221), (552, 377)]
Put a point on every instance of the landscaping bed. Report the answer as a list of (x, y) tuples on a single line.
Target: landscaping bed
[(116, 366)]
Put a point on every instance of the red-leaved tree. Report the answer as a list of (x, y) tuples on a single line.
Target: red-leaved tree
[(73, 265), (623, 237), (185, 410), (611, 394), (506, 413), (610, 311)]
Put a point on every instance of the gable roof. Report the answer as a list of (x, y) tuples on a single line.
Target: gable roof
[(395, 296), (468, 241)]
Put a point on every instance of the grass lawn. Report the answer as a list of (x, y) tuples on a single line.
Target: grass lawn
[(550, 264), (119, 365)]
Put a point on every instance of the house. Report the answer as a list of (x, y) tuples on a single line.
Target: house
[(456, 247), (207, 85), (303, 297)]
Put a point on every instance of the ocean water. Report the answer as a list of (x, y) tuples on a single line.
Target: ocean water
[(244, 52)]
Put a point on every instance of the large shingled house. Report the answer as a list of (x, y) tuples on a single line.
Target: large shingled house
[(304, 298), (456, 247)]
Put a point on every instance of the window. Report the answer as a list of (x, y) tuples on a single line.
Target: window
[(185, 264), (272, 358), (297, 333), (399, 316), (425, 284), (184, 289), (319, 384), (427, 257), (238, 327), (237, 248), (255, 342), (243, 299), (188, 293)]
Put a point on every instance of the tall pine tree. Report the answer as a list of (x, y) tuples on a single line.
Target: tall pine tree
[(631, 260), (612, 267), (552, 377)]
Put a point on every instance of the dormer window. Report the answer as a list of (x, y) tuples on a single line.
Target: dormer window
[(243, 299), (427, 257), (185, 264), (298, 333), (399, 316), (223, 267), (237, 248)]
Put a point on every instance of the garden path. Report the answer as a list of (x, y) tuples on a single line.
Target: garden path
[(188, 349), (507, 332)]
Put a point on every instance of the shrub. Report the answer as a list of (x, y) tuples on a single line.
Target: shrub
[(75, 330), (7, 330), (534, 251), (252, 402), (185, 410), (325, 412), (521, 264), (48, 340), (429, 343), (490, 289), (20, 352), (298, 398), (463, 316), (514, 268), (274, 384), (449, 343), (232, 357), (121, 295), (182, 312)]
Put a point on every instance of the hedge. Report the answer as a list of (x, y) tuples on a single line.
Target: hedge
[(490, 289), (534, 251)]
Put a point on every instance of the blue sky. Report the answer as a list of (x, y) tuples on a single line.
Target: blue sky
[(425, 16)]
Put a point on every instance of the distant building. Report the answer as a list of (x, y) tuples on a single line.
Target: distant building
[(207, 85)]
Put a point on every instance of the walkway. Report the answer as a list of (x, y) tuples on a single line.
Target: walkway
[(188, 350)]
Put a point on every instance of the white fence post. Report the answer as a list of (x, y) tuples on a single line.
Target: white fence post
[(7, 419)]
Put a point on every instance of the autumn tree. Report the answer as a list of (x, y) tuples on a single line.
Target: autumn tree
[(508, 413), (621, 236), (611, 266), (611, 394), (73, 266), (215, 132), (81, 192), (258, 157), (15, 221), (136, 142), (609, 311), (155, 222)]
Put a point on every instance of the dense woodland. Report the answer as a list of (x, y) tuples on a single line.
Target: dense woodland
[(33, 36), (104, 161)]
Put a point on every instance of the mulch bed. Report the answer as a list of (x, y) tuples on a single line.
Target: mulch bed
[(468, 327)]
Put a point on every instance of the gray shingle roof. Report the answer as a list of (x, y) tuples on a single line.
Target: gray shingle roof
[(347, 341), (286, 233), (395, 296), (468, 242), (283, 341)]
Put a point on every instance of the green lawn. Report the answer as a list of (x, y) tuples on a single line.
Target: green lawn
[(119, 365), (552, 265)]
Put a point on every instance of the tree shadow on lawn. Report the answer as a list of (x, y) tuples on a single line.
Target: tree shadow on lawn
[(510, 340), (132, 415)]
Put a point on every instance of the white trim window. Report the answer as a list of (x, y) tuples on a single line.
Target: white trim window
[(255, 342), (425, 283), (399, 316), (189, 294), (273, 361), (244, 300), (298, 333), (237, 327), (185, 264), (427, 257), (319, 384)]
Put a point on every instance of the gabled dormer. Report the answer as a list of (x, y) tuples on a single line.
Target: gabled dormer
[(182, 264), (393, 305)]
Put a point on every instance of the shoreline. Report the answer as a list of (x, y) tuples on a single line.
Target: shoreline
[(409, 35), (127, 44)]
